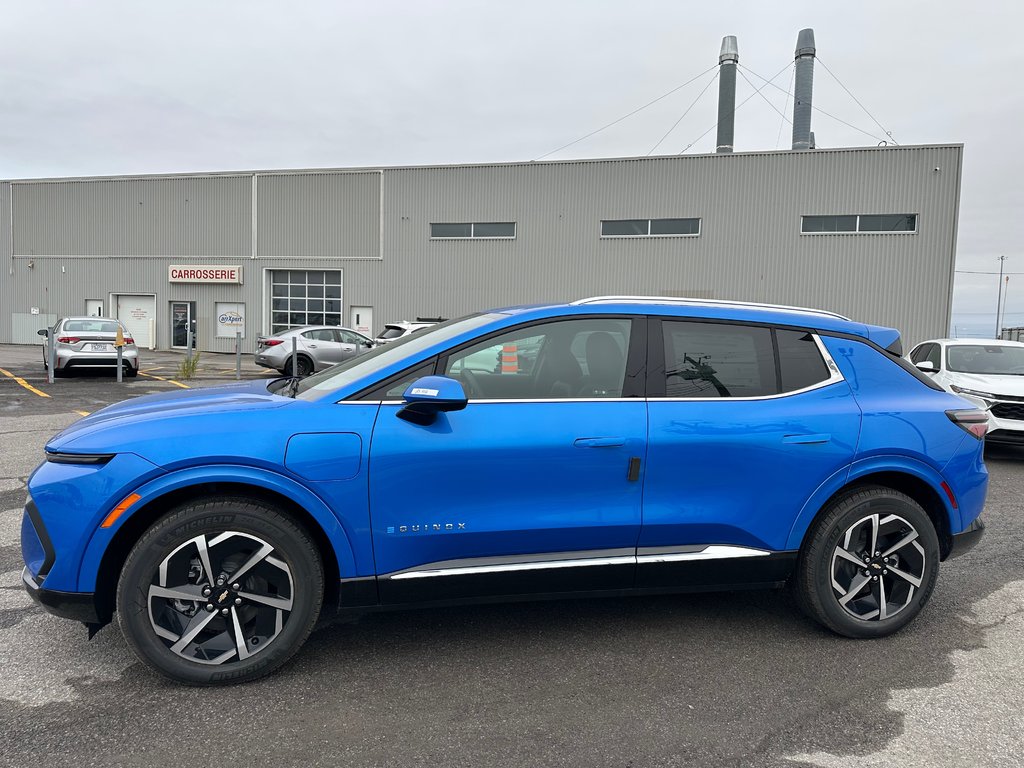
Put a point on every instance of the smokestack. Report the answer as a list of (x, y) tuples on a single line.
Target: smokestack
[(803, 87), (727, 61)]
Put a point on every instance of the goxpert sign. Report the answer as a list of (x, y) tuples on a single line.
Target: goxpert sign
[(205, 273)]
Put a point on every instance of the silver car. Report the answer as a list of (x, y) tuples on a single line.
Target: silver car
[(318, 347), (88, 342)]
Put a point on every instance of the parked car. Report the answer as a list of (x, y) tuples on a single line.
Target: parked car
[(396, 331), (987, 372), (319, 347), (88, 342), (652, 446)]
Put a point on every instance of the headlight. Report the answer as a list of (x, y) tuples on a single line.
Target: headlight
[(972, 392)]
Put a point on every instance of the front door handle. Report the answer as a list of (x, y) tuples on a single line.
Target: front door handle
[(806, 439), (599, 442)]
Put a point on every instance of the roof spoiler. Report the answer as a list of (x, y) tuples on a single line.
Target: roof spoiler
[(887, 338)]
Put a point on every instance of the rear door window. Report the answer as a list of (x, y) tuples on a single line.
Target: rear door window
[(713, 360)]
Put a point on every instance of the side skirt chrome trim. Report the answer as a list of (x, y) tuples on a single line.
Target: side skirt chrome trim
[(713, 552), (643, 556)]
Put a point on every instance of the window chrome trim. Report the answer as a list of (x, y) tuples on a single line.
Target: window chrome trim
[(835, 376), (584, 559)]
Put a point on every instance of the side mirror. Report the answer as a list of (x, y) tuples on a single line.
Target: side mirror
[(926, 366), (429, 396), (43, 332), (369, 344)]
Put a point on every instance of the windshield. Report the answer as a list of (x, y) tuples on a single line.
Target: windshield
[(379, 358), (984, 359)]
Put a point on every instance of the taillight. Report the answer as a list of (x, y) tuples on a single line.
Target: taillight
[(129, 340), (272, 342), (973, 421), (68, 339)]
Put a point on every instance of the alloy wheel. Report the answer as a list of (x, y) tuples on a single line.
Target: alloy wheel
[(877, 566), (220, 597)]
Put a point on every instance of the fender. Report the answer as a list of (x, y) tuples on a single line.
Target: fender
[(862, 468), (339, 532)]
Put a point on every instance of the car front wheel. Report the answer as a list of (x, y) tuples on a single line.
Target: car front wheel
[(220, 591), (869, 565)]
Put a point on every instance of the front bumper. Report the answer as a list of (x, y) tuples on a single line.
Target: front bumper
[(965, 541), (80, 606)]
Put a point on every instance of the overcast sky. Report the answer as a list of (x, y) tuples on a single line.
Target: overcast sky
[(150, 87)]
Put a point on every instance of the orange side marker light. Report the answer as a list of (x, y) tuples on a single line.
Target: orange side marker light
[(119, 510)]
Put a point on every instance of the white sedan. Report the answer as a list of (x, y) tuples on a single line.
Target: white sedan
[(989, 373)]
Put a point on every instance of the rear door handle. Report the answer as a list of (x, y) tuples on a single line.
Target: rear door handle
[(806, 439), (599, 442)]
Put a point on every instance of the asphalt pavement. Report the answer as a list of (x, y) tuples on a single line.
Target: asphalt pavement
[(726, 679)]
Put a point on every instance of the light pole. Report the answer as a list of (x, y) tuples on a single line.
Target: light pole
[(999, 297)]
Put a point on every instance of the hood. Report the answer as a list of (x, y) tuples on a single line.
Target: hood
[(995, 384), (131, 415)]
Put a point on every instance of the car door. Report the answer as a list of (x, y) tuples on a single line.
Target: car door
[(350, 344), (323, 345), (533, 487), (746, 422)]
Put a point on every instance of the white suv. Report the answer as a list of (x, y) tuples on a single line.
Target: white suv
[(987, 372), (395, 331)]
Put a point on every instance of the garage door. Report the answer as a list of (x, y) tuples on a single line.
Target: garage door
[(136, 312)]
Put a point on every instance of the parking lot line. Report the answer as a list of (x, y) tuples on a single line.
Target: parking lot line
[(23, 383), (82, 413), (161, 378)]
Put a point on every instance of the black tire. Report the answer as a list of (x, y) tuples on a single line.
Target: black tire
[(305, 366), (131, 372), (245, 528), (862, 584)]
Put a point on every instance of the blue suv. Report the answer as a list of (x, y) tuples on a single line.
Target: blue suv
[(610, 445)]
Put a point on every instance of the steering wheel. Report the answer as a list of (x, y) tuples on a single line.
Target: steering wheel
[(470, 383)]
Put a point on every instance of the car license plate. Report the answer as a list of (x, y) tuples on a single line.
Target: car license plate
[(99, 347)]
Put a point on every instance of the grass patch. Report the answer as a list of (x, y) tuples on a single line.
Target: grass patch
[(187, 367)]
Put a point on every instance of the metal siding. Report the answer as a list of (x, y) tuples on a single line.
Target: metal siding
[(750, 246), (319, 215), (190, 216), (7, 264)]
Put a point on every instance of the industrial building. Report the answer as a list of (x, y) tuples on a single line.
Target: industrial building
[(867, 232)]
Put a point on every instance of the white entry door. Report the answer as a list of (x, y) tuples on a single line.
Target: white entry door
[(362, 320), (94, 307), (136, 312)]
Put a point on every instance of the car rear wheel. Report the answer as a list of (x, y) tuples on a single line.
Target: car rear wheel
[(220, 591), (130, 371), (869, 564), (304, 367)]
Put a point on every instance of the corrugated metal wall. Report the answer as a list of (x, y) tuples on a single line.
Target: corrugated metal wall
[(194, 216), (319, 215), (84, 236), (750, 247)]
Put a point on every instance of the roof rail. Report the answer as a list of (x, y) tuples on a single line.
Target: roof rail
[(702, 303)]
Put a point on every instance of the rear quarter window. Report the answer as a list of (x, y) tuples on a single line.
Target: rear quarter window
[(800, 362)]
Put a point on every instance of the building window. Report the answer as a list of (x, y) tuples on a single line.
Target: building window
[(649, 227), (304, 297), (481, 230), (875, 222)]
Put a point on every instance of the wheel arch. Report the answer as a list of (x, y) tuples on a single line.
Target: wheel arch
[(108, 553), (919, 482)]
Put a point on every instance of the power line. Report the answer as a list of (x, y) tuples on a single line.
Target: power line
[(834, 77), (710, 83), (638, 109), (819, 109), (709, 130)]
